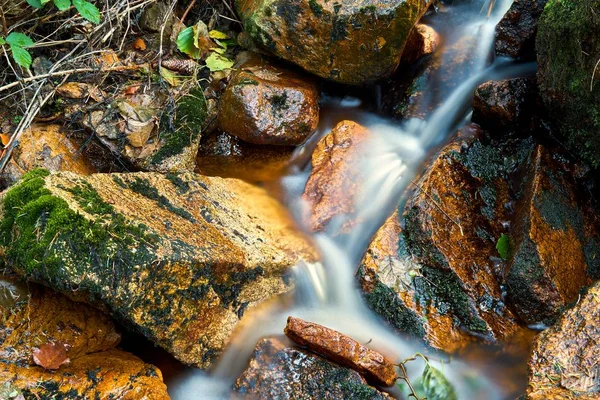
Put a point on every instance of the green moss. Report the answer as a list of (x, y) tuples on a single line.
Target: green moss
[(339, 30), (279, 101), (144, 188), (247, 81), (316, 8), (183, 128), (89, 199), (181, 186)]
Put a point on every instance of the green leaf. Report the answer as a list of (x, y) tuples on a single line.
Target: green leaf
[(35, 3), (436, 386), (21, 56), (170, 76), (19, 40), (216, 62), (214, 34), (222, 44), (62, 4), (87, 10), (2, 41), (185, 42), (503, 246)]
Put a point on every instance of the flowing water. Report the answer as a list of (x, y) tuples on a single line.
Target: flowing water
[(327, 292)]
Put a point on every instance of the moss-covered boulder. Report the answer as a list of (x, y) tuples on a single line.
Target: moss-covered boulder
[(36, 322), (280, 370), (568, 48), (178, 258), (353, 42)]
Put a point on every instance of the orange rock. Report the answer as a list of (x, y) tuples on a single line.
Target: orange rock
[(335, 179), (422, 41), (342, 350)]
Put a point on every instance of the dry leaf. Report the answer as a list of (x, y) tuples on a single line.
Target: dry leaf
[(139, 44), (76, 90), (51, 355), (138, 132), (4, 138), (131, 90), (170, 76), (107, 59)]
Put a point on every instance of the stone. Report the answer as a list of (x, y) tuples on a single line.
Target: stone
[(568, 74), (342, 350), (555, 243), (335, 178), (153, 18), (515, 33), (505, 105), (266, 104), (278, 370), (34, 317), (565, 361), (349, 42), (177, 258), (46, 146), (422, 41)]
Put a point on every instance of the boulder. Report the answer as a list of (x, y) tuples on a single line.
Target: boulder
[(349, 42), (46, 146), (266, 104), (555, 242), (177, 258), (422, 41), (565, 361), (569, 75), (279, 370), (515, 33), (37, 321)]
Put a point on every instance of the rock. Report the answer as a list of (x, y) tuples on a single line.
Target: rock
[(422, 41), (45, 146), (227, 156), (264, 104), (177, 258), (342, 350), (112, 374), (278, 370), (555, 243), (515, 33), (568, 77), (565, 358), (34, 318), (505, 105), (334, 40), (153, 18), (335, 178)]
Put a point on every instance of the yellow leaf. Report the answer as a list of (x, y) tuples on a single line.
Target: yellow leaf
[(4, 138), (169, 76), (214, 34)]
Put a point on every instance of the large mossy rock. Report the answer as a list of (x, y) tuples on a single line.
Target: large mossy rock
[(178, 258), (568, 49), (353, 42)]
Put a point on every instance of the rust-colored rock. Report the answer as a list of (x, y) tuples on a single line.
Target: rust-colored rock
[(342, 349), (279, 370), (335, 177), (555, 243), (515, 33), (266, 104), (565, 362), (422, 41), (352, 42), (46, 146)]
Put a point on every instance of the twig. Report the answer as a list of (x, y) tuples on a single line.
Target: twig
[(593, 75), (438, 206), (187, 11), (4, 25)]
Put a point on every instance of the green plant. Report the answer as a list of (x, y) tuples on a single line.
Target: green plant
[(17, 43), (85, 8), (503, 246), (195, 41)]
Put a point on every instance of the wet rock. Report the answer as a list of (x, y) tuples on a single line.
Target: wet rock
[(422, 41), (112, 374), (35, 318), (515, 33), (342, 350), (564, 363), (335, 176), (264, 104), (227, 156), (45, 146), (178, 258), (507, 104), (278, 370), (334, 40), (555, 243), (568, 76)]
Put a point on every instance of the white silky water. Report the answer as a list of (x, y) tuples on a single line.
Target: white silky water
[(327, 292)]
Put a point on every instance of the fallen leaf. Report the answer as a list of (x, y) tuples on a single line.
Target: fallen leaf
[(138, 132), (107, 59), (139, 44), (131, 90), (77, 90), (51, 355), (214, 34), (170, 76), (4, 138)]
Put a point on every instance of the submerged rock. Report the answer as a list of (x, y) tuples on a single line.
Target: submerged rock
[(278, 370), (515, 33), (265, 104), (555, 243), (35, 318), (348, 42), (45, 146), (565, 359), (178, 258), (569, 76)]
